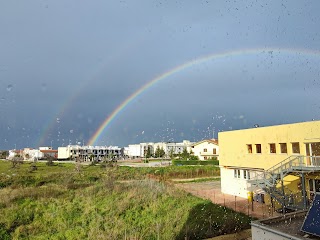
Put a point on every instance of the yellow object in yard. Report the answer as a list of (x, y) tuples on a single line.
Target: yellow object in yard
[(250, 196)]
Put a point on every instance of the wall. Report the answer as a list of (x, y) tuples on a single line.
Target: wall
[(233, 144), (198, 150), (63, 152)]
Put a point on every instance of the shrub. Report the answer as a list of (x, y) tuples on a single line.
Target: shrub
[(194, 162)]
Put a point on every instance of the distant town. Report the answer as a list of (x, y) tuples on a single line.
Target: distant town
[(202, 150), (276, 166)]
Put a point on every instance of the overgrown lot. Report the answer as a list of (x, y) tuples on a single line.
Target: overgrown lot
[(62, 202)]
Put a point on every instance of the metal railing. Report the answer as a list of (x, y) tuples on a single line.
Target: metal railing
[(270, 178)]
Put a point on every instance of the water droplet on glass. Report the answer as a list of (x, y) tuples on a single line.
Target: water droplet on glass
[(58, 120), (71, 131), (9, 87), (44, 87)]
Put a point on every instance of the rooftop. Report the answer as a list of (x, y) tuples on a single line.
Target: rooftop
[(287, 226)]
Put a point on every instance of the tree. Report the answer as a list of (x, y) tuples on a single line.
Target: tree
[(185, 154), (16, 160), (148, 152), (157, 154), (4, 154), (162, 152), (171, 153)]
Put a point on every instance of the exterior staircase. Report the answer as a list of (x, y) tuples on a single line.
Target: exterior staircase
[(271, 181)]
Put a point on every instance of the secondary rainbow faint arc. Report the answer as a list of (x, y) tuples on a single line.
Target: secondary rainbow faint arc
[(179, 68)]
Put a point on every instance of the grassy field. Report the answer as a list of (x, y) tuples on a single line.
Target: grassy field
[(62, 202)]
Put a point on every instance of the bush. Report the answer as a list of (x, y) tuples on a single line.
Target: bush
[(194, 162)]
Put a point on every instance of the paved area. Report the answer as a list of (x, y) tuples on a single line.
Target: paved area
[(211, 190)]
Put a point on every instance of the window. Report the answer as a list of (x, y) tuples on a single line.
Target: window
[(317, 185), (272, 147), (205, 158), (246, 174), (295, 148), (238, 173), (235, 173), (214, 151), (258, 148), (283, 148), (205, 150), (311, 187), (249, 148)]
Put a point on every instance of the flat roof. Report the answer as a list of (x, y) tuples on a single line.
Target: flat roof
[(271, 126), (287, 225)]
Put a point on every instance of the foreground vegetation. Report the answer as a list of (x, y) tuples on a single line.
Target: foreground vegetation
[(65, 202)]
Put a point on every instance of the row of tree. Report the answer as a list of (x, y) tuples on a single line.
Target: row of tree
[(159, 153)]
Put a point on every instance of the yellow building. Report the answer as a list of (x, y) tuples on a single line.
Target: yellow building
[(280, 161)]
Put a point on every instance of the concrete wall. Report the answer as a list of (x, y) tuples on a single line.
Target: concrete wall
[(63, 152)]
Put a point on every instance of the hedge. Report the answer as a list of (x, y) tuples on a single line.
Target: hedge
[(194, 162)]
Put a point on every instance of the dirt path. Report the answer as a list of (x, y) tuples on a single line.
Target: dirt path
[(211, 190)]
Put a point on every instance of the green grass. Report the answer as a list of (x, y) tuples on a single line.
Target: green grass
[(198, 180), (58, 202)]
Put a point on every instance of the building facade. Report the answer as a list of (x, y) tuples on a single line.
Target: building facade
[(286, 159), (89, 153), (206, 149)]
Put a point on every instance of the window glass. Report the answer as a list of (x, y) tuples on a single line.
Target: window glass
[(311, 185), (317, 185), (283, 147), (249, 148), (272, 147), (295, 147), (258, 148), (244, 174)]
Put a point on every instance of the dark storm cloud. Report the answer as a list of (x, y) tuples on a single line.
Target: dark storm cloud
[(77, 61)]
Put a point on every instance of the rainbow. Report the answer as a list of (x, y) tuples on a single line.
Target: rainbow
[(186, 65), (48, 127)]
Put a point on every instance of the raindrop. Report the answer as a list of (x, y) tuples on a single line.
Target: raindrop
[(58, 120), (71, 131), (9, 87), (44, 87)]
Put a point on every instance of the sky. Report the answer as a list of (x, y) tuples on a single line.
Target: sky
[(67, 65)]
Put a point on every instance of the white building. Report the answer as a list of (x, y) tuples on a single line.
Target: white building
[(32, 154), (89, 153), (139, 150), (134, 151), (206, 149)]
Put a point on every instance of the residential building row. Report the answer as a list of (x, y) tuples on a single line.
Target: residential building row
[(204, 150), (89, 153), (33, 154)]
